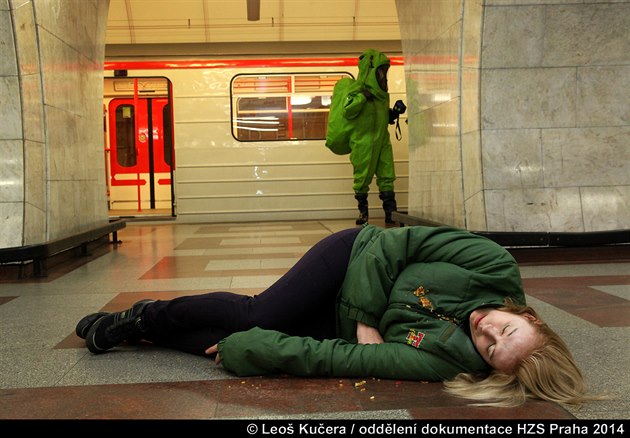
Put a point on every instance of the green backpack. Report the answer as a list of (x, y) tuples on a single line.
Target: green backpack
[(339, 128)]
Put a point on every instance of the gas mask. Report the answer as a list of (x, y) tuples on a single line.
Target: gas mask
[(381, 76)]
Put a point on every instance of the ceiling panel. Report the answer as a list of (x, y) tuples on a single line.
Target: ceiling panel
[(225, 21)]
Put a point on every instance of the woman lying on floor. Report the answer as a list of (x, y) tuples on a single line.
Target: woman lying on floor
[(414, 303)]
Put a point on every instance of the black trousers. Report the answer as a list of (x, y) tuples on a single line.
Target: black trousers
[(301, 303)]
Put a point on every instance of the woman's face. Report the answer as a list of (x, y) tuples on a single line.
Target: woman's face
[(503, 338)]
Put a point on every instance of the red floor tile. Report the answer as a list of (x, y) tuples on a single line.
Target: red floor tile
[(579, 296), (253, 398)]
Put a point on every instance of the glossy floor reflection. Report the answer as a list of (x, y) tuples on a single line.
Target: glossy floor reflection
[(47, 373)]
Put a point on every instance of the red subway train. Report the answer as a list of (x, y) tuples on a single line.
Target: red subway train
[(241, 139)]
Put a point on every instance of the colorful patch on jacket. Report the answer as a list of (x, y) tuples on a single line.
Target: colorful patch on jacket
[(425, 302), (414, 338)]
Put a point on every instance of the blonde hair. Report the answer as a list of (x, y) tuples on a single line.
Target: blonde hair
[(548, 373)]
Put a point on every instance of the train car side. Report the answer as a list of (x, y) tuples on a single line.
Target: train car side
[(219, 175)]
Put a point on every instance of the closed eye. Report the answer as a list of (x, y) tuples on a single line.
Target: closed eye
[(512, 332), (503, 330)]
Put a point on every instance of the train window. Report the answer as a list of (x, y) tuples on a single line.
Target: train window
[(125, 144), (282, 106)]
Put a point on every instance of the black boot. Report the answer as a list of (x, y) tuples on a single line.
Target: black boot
[(87, 322), (362, 199), (114, 328), (389, 205)]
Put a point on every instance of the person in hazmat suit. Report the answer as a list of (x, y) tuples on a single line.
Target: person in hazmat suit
[(367, 109)]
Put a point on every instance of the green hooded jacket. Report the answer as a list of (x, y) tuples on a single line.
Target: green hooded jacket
[(417, 285)]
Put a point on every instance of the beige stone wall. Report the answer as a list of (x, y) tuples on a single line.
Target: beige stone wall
[(519, 116), (555, 88)]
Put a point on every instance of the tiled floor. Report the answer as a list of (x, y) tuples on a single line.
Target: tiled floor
[(46, 372)]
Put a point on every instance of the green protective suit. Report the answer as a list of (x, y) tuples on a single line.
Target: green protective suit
[(367, 108)]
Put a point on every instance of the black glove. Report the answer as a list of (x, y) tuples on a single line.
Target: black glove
[(398, 109)]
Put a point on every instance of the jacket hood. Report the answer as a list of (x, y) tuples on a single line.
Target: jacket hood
[(373, 65)]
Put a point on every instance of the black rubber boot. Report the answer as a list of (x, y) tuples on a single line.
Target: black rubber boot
[(389, 206), (362, 199), (115, 328)]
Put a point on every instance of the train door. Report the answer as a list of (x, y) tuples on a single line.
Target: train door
[(140, 156)]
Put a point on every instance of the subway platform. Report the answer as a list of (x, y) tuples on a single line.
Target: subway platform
[(46, 373)]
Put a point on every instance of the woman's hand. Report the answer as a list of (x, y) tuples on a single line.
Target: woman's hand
[(214, 350), (368, 335)]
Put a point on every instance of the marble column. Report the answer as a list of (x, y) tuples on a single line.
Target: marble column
[(52, 166), (519, 117), (11, 137)]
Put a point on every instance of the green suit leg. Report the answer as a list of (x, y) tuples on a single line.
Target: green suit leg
[(385, 171), (364, 162)]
